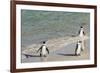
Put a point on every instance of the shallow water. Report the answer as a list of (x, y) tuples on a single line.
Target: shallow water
[(40, 26)]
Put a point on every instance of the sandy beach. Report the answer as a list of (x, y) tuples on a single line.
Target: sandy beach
[(59, 51)]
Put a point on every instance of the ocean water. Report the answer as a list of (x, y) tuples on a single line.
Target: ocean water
[(37, 26)]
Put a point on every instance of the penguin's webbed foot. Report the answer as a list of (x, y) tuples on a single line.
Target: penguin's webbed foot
[(77, 55)]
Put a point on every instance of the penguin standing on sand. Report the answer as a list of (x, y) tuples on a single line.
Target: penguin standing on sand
[(78, 48), (81, 35), (43, 50)]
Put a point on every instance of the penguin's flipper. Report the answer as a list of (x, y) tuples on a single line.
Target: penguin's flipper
[(40, 55), (78, 32), (76, 48), (84, 33), (39, 49), (47, 50)]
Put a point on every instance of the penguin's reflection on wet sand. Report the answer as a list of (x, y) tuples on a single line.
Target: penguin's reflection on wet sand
[(43, 59)]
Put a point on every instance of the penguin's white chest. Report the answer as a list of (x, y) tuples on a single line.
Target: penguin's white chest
[(79, 49), (81, 33), (44, 52)]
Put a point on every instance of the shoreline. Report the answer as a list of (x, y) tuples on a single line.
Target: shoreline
[(63, 54), (53, 44), (66, 53)]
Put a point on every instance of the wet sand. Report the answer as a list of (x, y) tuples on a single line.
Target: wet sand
[(62, 51)]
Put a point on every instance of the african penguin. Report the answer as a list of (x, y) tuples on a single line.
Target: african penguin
[(81, 35), (43, 50), (78, 48)]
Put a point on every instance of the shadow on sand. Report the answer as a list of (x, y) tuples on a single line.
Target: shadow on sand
[(27, 55), (42, 59), (66, 54)]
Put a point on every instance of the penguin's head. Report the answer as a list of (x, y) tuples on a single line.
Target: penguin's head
[(79, 41), (44, 42), (81, 27)]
